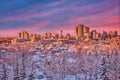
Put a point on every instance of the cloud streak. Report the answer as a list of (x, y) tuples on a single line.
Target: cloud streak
[(31, 16), (68, 14), (30, 28)]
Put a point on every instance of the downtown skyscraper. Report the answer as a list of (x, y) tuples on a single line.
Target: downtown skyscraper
[(82, 32)]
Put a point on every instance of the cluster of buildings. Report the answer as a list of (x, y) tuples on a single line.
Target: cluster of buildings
[(82, 33), (97, 35), (25, 36)]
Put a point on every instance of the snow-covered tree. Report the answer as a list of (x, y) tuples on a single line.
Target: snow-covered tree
[(105, 69)]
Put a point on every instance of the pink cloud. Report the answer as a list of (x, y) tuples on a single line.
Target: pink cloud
[(96, 22), (104, 18), (113, 19), (27, 14), (29, 28)]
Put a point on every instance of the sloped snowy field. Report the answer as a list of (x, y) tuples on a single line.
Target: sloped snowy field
[(64, 62)]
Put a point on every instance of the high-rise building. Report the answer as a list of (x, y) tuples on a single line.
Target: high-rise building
[(26, 35), (86, 33), (86, 29), (68, 36), (93, 34), (80, 31), (104, 35), (110, 34), (97, 36), (19, 35), (48, 35), (23, 35), (115, 33), (61, 34), (56, 36), (35, 37)]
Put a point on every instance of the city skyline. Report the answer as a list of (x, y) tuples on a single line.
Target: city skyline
[(85, 30), (52, 16)]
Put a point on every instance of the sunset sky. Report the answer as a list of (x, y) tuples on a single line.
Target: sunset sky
[(40, 16)]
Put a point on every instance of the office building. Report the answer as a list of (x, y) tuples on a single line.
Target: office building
[(86, 33), (115, 33), (104, 35), (23, 35), (80, 31), (93, 34)]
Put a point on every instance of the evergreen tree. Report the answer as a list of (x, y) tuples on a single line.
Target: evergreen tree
[(104, 69)]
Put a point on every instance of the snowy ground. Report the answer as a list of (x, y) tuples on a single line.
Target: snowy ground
[(86, 61)]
